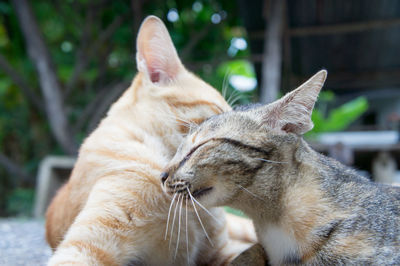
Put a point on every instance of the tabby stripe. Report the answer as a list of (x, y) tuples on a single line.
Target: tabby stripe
[(242, 145), (316, 247), (187, 157), (225, 140), (152, 179), (174, 102), (101, 222), (126, 157), (69, 262), (130, 133), (112, 222), (98, 253), (183, 127)]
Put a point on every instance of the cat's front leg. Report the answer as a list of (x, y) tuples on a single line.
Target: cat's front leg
[(119, 224), (100, 233)]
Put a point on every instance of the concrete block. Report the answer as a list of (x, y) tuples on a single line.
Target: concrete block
[(54, 171)]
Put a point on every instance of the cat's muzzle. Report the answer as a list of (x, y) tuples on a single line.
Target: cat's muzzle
[(164, 177), (174, 186)]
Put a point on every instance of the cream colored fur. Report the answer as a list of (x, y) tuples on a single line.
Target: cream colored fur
[(112, 210)]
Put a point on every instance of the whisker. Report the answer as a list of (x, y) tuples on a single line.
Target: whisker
[(198, 216), (184, 122), (187, 237), (233, 94), (204, 208), (235, 99), (251, 193), (169, 212), (269, 161), (190, 125), (177, 120), (225, 84), (223, 91), (179, 228), (173, 221)]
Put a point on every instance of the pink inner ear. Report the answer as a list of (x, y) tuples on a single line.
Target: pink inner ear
[(290, 127), (154, 76)]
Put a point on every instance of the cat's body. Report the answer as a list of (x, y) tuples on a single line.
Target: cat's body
[(307, 209), (112, 210)]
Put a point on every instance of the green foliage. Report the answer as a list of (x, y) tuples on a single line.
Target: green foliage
[(20, 202), (339, 118), (235, 212), (237, 67), (73, 30)]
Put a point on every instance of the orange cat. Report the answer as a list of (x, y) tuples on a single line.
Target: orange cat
[(112, 211)]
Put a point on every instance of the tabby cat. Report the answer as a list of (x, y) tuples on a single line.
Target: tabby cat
[(112, 211), (307, 209)]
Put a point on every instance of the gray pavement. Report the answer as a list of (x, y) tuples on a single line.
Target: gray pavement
[(22, 242)]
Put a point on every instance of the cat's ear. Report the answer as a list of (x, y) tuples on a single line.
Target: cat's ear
[(156, 55), (292, 113)]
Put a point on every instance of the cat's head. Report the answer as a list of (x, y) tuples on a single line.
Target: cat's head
[(224, 154), (165, 92)]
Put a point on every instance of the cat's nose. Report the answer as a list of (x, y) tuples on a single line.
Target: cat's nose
[(164, 176)]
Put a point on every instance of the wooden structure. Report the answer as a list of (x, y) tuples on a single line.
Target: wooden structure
[(357, 41), (54, 171)]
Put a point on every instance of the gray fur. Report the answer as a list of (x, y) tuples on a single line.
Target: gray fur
[(256, 166)]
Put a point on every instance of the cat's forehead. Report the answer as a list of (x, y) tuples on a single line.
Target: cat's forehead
[(228, 124)]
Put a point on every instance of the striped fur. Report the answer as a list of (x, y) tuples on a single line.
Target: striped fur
[(112, 211), (307, 209)]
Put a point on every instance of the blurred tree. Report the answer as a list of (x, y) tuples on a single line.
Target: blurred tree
[(49, 83), (62, 63)]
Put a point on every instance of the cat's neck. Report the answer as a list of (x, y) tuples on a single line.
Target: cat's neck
[(285, 217)]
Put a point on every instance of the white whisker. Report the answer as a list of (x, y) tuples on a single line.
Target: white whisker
[(198, 216), (269, 161), (251, 193), (204, 208), (173, 221), (169, 212), (235, 99), (179, 227), (225, 83), (175, 119), (233, 94), (187, 237)]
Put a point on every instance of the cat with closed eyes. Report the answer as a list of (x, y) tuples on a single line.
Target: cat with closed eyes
[(112, 210), (307, 209)]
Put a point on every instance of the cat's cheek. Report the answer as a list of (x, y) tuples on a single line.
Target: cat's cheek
[(218, 197)]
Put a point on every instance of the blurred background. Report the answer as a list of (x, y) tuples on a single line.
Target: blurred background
[(63, 62)]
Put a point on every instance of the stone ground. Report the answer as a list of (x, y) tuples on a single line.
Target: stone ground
[(22, 242)]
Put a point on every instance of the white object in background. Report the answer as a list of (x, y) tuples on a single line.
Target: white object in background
[(384, 168), (242, 83), (360, 139), (53, 172)]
